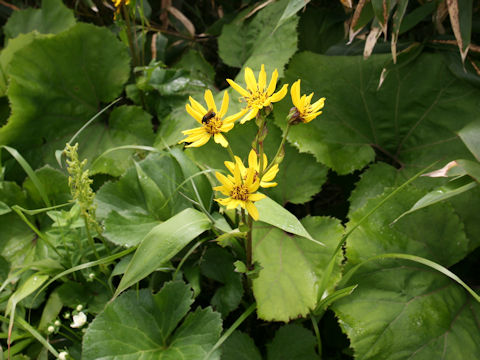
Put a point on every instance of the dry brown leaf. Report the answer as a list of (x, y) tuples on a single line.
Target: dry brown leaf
[(347, 3), (183, 19), (440, 16), (453, 11), (356, 16), (371, 41), (258, 8)]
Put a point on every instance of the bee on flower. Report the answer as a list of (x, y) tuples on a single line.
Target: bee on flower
[(303, 111), (258, 95), (211, 120), (254, 163), (241, 192)]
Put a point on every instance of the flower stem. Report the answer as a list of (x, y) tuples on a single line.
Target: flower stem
[(280, 148), (248, 244), (230, 152), (90, 238)]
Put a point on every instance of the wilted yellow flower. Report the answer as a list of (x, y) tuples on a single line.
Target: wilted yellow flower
[(254, 163), (211, 120), (257, 95), (240, 192), (303, 110)]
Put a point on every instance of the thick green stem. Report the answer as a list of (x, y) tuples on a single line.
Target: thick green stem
[(131, 41), (313, 318), (89, 236)]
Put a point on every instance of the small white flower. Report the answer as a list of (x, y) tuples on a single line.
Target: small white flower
[(66, 315), (79, 320), (63, 355), (79, 307), (57, 323), (91, 276), (50, 329)]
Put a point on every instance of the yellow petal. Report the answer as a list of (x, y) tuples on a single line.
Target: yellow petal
[(265, 184), (223, 189), (235, 117), (252, 160), (192, 138), (273, 83), (271, 173), (197, 106), (309, 99), (240, 165), (319, 104), (250, 115), (210, 102), (250, 79), (199, 130), (224, 180), (279, 95), (310, 117), (224, 108), (237, 175), (220, 139), (238, 88), (256, 197), (252, 210), (194, 113), (295, 93), (262, 79), (226, 127), (254, 186), (233, 204), (200, 142), (250, 176), (230, 166), (265, 162), (223, 202)]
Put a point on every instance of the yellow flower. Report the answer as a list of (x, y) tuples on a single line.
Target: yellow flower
[(211, 121), (257, 95), (303, 110), (117, 3), (254, 163), (240, 192)]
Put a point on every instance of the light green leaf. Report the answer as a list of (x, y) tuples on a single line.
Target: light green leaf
[(28, 287), (293, 267), (257, 42), (52, 308), (274, 214), (292, 342), (52, 18), (148, 326), (162, 243), (402, 310), (292, 8), (59, 82), (470, 136), (408, 131), (240, 346), (55, 186), (4, 208), (6, 57)]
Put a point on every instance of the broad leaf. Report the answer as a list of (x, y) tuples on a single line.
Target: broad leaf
[(145, 195), (470, 135), (59, 82), (259, 42), (162, 243), (401, 310), (407, 121), (292, 342), (150, 327), (240, 346), (52, 18), (217, 265), (292, 267)]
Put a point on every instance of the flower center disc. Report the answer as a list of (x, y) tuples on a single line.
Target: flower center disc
[(257, 99), (213, 125), (239, 192)]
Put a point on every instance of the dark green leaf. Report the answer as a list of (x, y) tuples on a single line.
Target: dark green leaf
[(470, 135), (292, 342), (240, 346), (400, 126), (147, 327)]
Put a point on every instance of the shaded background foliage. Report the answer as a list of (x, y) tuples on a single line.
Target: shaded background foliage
[(401, 80)]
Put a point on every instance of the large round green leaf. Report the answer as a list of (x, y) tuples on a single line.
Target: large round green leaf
[(292, 267), (139, 325), (409, 121), (59, 82)]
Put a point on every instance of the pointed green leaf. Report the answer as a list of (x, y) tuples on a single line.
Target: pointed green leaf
[(162, 243), (470, 135), (289, 260), (150, 327), (25, 289)]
